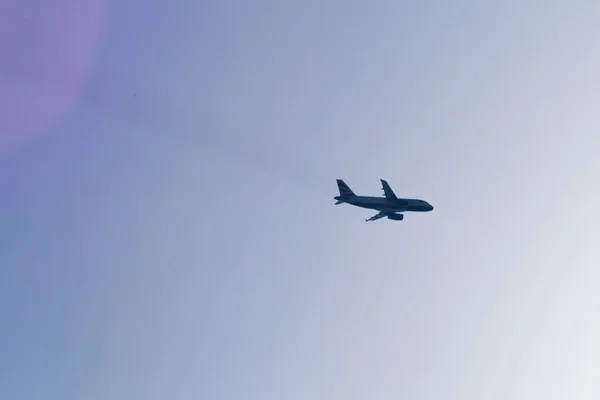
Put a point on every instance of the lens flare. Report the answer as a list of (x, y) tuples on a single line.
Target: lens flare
[(46, 50)]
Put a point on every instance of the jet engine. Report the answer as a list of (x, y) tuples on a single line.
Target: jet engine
[(396, 217)]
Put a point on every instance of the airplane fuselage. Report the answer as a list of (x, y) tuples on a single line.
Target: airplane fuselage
[(385, 204)]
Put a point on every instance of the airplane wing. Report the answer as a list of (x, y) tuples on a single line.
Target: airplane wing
[(377, 216), (387, 190)]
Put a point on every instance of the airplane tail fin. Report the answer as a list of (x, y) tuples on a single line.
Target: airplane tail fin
[(345, 190)]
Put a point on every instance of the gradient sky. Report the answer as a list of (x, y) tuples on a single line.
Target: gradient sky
[(167, 173)]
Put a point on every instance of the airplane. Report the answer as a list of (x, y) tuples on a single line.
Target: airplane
[(389, 206)]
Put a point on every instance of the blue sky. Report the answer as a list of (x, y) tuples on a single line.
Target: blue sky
[(167, 227)]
